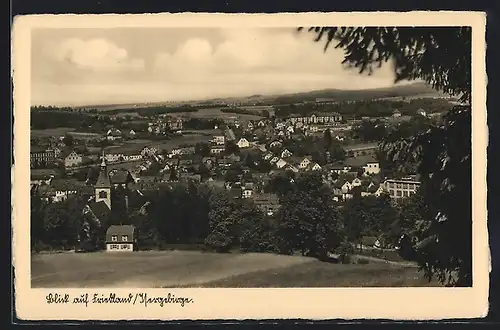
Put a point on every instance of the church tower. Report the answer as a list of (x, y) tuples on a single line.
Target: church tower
[(103, 185)]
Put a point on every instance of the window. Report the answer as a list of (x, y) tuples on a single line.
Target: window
[(405, 185), (124, 238), (399, 193), (405, 193), (103, 194), (125, 247), (391, 184), (392, 192), (114, 238), (113, 247)]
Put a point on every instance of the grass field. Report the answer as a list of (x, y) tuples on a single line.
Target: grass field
[(204, 269), (215, 113), (138, 145), (54, 132)]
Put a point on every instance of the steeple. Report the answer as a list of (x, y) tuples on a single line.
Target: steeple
[(103, 179), (103, 163), (103, 185)]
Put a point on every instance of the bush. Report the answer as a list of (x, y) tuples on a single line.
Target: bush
[(345, 250), (218, 242)]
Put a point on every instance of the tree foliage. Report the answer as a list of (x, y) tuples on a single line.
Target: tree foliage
[(441, 56), (308, 220)]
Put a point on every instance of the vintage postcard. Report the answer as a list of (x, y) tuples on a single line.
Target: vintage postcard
[(250, 166)]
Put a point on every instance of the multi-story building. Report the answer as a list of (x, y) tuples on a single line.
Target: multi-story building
[(401, 188), (41, 155)]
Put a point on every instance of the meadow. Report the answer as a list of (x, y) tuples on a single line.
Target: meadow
[(216, 113), (51, 132), (155, 269)]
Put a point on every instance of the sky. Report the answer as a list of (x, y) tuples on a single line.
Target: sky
[(130, 65)]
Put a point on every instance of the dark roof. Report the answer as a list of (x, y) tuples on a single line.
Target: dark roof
[(100, 209), (121, 229), (362, 146), (37, 149), (103, 179), (65, 152), (120, 177), (359, 161), (65, 184), (43, 173), (266, 199)]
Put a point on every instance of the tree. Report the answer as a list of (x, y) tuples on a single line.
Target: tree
[(173, 174), (37, 219), (441, 56), (327, 137), (68, 140), (62, 222), (202, 149), (232, 147), (223, 218), (308, 220)]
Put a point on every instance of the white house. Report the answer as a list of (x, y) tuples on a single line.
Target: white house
[(243, 143), (379, 191), (281, 163), (268, 156), (305, 162), (421, 112), (114, 157), (346, 187), (120, 238), (72, 159), (276, 144), (356, 182), (217, 149), (219, 140), (286, 153), (372, 168), (316, 167)]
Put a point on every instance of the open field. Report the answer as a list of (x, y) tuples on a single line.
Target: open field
[(175, 142), (54, 132), (215, 113), (204, 269)]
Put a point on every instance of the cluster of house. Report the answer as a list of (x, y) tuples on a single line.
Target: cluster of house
[(115, 134), (344, 189), (46, 155), (160, 125)]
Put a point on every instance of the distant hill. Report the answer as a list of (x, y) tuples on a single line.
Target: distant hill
[(414, 90), (410, 90)]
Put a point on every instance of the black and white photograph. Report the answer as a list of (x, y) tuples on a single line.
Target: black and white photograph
[(290, 156)]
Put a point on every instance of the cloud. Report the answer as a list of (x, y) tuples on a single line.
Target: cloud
[(96, 54), (258, 52)]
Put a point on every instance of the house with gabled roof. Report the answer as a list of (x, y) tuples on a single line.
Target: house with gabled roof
[(286, 153), (121, 238), (281, 163), (305, 162), (243, 143)]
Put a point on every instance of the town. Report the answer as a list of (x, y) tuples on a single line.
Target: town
[(116, 162)]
